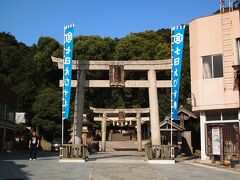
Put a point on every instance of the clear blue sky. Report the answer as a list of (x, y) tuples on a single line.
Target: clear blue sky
[(27, 20)]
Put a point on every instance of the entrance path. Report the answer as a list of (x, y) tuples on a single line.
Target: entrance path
[(120, 171), (118, 157), (119, 165)]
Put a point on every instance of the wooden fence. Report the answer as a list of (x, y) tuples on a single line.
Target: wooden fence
[(73, 151), (159, 152)]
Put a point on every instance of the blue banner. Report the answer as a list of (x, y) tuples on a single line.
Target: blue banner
[(177, 52), (67, 68)]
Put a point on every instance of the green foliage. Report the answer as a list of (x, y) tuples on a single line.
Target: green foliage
[(94, 48), (46, 72), (28, 70), (147, 45), (47, 110)]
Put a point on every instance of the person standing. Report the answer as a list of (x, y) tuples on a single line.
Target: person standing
[(33, 145)]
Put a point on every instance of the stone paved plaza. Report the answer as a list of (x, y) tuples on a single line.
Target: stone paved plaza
[(104, 166)]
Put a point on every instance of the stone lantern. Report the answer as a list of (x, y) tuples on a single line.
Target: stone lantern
[(85, 129)]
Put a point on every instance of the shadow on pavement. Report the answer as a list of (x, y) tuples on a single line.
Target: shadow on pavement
[(23, 155), (11, 170), (12, 164)]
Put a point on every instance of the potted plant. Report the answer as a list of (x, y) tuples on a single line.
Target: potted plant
[(234, 161)]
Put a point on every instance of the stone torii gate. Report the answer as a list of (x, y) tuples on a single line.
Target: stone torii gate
[(116, 71), (105, 118)]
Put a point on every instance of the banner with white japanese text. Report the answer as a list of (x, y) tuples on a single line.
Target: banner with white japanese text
[(67, 68), (177, 53)]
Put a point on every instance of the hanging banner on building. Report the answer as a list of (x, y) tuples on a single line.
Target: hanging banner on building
[(67, 68), (215, 141), (177, 52)]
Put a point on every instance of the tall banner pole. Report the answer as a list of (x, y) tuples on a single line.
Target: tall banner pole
[(171, 88), (63, 91), (67, 73), (177, 42)]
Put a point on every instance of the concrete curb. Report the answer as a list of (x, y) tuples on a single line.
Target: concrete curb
[(161, 161), (120, 161), (212, 167), (72, 161)]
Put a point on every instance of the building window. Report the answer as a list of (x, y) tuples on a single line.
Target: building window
[(3, 108), (10, 114), (221, 115), (230, 114), (212, 66), (7, 112), (214, 115), (238, 50)]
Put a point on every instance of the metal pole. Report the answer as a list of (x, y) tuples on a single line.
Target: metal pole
[(171, 95), (229, 5), (62, 130), (63, 89), (220, 6), (171, 89), (239, 135), (239, 141)]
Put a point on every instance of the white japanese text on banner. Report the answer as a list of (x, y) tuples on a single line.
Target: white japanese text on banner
[(67, 68), (177, 53)]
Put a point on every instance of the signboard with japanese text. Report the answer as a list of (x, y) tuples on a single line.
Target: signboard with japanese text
[(215, 141), (67, 68), (177, 53)]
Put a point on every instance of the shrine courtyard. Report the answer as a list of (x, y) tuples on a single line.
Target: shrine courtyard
[(119, 165)]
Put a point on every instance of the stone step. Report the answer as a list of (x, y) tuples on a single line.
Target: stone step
[(124, 145)]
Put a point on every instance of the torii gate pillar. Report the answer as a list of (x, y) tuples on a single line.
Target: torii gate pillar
[(80, 107), (104, 129), (154, 111), (139, 132)]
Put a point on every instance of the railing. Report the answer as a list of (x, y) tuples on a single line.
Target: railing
[(73, 151), (159, 152)]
